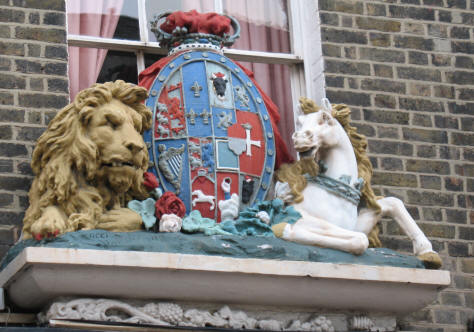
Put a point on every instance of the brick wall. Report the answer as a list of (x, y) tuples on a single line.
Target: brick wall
[(406, 69), (33, 86)]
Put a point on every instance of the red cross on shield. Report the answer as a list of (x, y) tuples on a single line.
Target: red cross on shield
[(247, 133)]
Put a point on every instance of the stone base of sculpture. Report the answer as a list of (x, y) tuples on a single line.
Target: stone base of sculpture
[(197, 315), (257, 282)]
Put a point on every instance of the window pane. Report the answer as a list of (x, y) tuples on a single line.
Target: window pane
[(152, 58), (154, 7), (90, 65), (119, 66), (106, 18), (263, 24)]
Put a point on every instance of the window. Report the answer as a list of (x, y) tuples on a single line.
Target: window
[(280, 43)]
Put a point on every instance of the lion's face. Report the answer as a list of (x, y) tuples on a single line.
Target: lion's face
[(115, 129)]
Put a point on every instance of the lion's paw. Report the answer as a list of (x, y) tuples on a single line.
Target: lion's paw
[(120, 220), (51, 223)]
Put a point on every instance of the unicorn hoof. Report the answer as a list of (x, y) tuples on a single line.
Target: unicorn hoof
[(359, 244), (278, 229), (431, 260)]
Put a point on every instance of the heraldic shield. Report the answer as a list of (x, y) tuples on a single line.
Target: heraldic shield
[(210, 126)]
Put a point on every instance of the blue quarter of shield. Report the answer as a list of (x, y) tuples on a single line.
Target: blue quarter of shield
[(195, 87), (172, 159), (222, 119), (226, 159)]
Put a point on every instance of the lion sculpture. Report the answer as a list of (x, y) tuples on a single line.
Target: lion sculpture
[(89, 163)]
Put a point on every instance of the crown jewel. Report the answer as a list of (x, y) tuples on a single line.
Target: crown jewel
[(191, 30)]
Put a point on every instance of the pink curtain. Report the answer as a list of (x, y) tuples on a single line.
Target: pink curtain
[(271, 36), (202, 6), (264, 27), (269, 13), (97, 18)]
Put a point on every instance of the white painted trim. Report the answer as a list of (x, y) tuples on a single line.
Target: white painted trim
[(140, 61), (306, 35), (263, 57), (114, 44), (142, 20), (297, 72), (153, 47), (298, 88), (295, 28), (218, 6)]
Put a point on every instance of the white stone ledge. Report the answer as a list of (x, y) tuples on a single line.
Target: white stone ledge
[(38, 275)]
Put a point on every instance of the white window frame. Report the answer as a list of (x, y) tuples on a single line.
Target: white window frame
[(305, 61)]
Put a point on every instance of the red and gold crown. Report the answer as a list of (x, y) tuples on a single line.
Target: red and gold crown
[(192, 30)]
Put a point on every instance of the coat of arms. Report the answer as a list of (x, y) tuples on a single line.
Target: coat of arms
[(210, 128)]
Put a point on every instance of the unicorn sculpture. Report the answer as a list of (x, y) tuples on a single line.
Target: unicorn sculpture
[(330, 187)]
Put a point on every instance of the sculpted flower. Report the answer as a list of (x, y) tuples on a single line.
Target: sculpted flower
[(151, 182), (170, 223), (145, 209), (169, 203)]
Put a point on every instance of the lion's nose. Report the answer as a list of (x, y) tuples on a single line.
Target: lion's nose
[(132, 139), (134, 147)]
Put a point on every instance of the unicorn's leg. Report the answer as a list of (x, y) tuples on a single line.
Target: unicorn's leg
[(366, 220), (315, 231), (394, 207)]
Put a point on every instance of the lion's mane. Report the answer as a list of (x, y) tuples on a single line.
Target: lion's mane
[(293, 174), (65, 160)]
